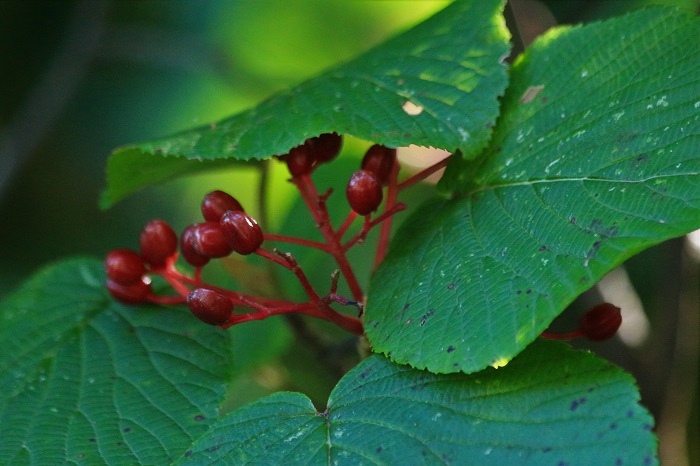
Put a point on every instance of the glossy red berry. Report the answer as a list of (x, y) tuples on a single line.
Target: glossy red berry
[(244, 234), (124, 266), (601, 322), (379, 160), (136, 293), (299, 160), (158, 242), (325, 147), (209, 306), (209, 240), (364, 192), (187, 248), (217, 203)]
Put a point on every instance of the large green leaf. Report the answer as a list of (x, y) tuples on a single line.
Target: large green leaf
[(85, 380), (600, 164), (551, 405), (449, 67)]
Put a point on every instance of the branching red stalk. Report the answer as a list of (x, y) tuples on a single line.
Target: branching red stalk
[(385, 230), (423, 174), (293, 240), (566, 336)]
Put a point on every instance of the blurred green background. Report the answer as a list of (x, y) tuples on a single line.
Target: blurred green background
[(80, 78)]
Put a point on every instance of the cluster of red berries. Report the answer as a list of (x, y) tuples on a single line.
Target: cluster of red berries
[(227, 228)]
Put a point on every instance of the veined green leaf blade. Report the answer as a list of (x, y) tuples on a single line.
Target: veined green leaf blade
[(448, 69), (549, 405), (555, 203), (85, 380)]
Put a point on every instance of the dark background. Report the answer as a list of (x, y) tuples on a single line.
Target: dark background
[(81, 78)]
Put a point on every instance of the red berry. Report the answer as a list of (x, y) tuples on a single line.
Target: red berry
[(124, 266), (364, 192), (601, 322), (244, 234), (379, 160), (136, 293), (325, 147), (187, 248), (210, 306), (209, 240), (158, 242), (300, 160), (216, 203)]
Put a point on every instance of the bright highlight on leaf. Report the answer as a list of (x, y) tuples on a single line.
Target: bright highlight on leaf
[(550, 405), (593, 160)]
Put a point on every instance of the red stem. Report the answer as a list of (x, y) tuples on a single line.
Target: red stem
[(385, 230), (423, 174), (566, 336), (293, 240)]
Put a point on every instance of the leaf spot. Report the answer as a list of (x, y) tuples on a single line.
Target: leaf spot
[(188, 453), (530, 94), (412, 109), (450, 349), (199, 417)]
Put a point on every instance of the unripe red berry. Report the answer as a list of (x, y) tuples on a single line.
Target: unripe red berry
[(244, 234), (187, 248), (209, 240), (325, 147), (300, 160), (158, 242), (217, 203), (209, 306), (364, 192), (601, 322), (136, 293), (379, 160), (124, 266)]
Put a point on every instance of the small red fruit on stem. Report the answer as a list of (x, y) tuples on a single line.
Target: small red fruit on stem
[(379, 160), (210, 306), (187, 249), (241, 230), (209, 240), (136, 293), (364, 192), (601, 322), (158, 241), (124, 266), (217, 203)]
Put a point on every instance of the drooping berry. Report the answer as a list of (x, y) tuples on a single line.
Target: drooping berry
[(299, 160), (364, 192), (325, 147), (244, 234), (158, 241), (187, 248), (379, 160), (124, 266), (601, 322), (209, 306), (209, 240), (136, 293), (216, 203)]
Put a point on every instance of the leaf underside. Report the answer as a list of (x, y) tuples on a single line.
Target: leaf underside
[(594, 158), (448, 69), (551, 405), (84, 380)]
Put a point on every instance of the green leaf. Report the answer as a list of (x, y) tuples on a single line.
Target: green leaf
[(602, 163), (551, 405), (449, 67), (86, 380)]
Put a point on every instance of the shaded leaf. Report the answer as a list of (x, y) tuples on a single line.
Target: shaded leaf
[(551, 405), (602, 163), (448, 69), (86, 380)]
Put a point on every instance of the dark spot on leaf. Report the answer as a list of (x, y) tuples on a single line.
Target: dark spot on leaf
[(188, 453), (455, 365), (519, 292), (451, 286), (450, 349), (562, 463), (199, 417), (127, 429), (591, 390), (573, 220), (364, 374), (618, 461), (119, 444), (214, 448), (425, 316), (546, 449), (424, 453), (576, 403), (611, 232), (613, 426), (528, 291), (544, 100), (641, 159), (81, 455), (379, 449), (158, 150), (388, 355), (630, 413), (596, 223), (406, 306), (648, 427), (92, 440), (647, 460), (542, 248)]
